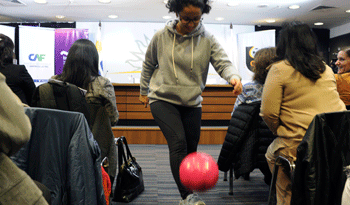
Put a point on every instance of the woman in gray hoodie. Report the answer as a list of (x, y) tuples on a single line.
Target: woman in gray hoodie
[(174, 75)]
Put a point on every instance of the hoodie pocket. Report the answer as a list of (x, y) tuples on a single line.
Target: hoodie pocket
[(181, 95)]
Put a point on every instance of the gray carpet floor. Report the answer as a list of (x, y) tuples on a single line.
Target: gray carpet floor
[(160, 188)]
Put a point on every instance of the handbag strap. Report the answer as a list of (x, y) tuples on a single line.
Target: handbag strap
[(121, 153), (129, 156)]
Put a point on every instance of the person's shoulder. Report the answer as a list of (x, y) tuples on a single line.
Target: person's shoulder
[(282, 65), (342, 76), (253, 85), (101, 81), (14, 67), (207, 34), (160, 32)]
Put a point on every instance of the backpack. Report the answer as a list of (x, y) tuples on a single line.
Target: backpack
[(61, 95)]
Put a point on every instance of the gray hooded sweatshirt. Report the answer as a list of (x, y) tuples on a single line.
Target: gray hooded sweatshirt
[(176, 66)]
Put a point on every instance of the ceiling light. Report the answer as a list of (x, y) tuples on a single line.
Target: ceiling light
[(165, 1), (219, 18), (167, 17), (347, 11), (232, 4), (270, 21), (318, 23), (112, 16), (60, 16), (104, 1), (294, 7), (40, 1), (263, 5)]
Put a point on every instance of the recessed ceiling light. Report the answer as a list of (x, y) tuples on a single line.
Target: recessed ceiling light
[(294, 7), (263, 5), (270, 21), (219, 18), (60, 16), (347, 11), (232, 4), (40, 1), (318, 23), (167, 17), (104, 1), (165, 1), (112, 16)]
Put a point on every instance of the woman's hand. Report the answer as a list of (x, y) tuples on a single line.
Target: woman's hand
[(237, 86), (144, 100)]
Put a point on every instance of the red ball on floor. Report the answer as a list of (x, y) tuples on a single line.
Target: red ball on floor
[(199, 171)]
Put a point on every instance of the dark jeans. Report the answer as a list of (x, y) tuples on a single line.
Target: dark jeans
[(181, 127)]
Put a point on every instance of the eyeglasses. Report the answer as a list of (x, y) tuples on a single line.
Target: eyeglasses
[(187, 21)]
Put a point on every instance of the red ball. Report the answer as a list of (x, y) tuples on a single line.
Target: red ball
[(199, 171)]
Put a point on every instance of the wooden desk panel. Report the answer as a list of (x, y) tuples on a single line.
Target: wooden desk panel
[(218, 102)]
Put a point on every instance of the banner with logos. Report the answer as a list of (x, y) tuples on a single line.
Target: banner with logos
[(64, 38), (248, 44), (125, 44), (36, 52)]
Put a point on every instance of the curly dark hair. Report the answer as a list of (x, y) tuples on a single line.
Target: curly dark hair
[(178, 5), (6, 49), (298, 45), (262, 59)]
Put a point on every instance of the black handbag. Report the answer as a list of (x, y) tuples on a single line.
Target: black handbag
[(129, 182)]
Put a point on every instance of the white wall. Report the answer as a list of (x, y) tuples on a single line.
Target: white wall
[(8, 31), (340, 30)]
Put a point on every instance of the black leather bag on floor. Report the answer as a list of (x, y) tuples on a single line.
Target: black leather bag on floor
[(129, 182)]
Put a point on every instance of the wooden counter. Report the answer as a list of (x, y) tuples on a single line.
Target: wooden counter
[(217, 105), (218, 101)]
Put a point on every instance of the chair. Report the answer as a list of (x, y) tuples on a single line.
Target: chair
[(245, 144), (63, 155), (288, 167), (317, 175)]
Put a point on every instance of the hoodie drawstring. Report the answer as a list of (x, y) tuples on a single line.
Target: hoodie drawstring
[(192, 56), (172, 54), (174, 57)]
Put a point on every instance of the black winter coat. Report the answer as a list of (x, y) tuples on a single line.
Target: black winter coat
[(246, 142), (63, 155), (20, 81)]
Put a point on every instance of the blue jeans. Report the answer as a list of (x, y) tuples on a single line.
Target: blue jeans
[(181, 127)]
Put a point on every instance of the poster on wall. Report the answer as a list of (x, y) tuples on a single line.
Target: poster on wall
[(248, 44), (64, 38), (124, 46), (36, 52)]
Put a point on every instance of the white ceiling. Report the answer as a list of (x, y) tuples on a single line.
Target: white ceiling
[(247, 13)]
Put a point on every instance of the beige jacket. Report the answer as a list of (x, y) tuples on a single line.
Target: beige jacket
[(290, 101), (16, 187), (15, 125)]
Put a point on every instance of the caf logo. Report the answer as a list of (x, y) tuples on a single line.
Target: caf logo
[(249, 56)]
